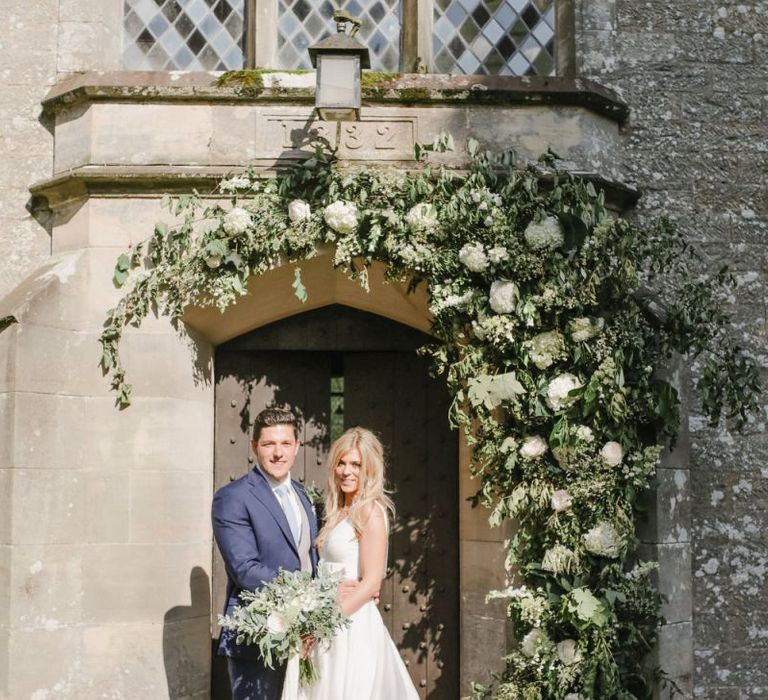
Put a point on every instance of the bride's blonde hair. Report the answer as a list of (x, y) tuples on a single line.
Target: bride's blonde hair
[(370, 482)]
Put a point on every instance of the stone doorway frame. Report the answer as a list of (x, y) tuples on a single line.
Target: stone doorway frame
[(482, 627)]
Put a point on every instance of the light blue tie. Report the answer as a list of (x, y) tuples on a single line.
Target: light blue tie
[(284, 496)]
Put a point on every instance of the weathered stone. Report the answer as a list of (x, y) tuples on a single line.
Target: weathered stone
[(5, 593), (669, 512), (48, 584), (674, 654), (127, 583), (169, 507), (479, 632), (71, 506)]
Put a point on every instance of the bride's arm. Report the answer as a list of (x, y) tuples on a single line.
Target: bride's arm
[(373, 553)]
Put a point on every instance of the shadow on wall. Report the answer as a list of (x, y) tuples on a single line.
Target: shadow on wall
[(186, 642)]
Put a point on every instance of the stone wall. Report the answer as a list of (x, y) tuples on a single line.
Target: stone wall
[(695, 74), (28, 44)]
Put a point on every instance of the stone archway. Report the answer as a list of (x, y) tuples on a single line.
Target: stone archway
[(482, 627)]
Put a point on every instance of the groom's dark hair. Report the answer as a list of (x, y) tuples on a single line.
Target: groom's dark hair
[(275, 416)]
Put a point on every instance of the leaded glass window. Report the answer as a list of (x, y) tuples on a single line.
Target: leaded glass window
[(183, 34), (497, 37), (304, 22)]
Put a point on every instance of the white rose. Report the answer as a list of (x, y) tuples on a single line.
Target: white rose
[(473, 256), (604, 540), (612, 454), (558, 559), (545, 235), (584, 328), (422, 218), (276, 623), (239, 182), (568, 653), (535, 642), (561, 500), (213, 261), (533, 447), (299, 210), (585, 434), (504, 296), (237, 221), (342, 217), (558, 390)]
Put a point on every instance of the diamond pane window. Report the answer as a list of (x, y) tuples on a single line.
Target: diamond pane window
[(183, 34), (495, 37), (302, 23)]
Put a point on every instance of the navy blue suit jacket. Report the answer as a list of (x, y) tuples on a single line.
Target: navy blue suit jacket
[(255, 540)]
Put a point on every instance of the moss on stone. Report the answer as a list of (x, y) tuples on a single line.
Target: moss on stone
[(413, 94), (376, 84), (248, 82)]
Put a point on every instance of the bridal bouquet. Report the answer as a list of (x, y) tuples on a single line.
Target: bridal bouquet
[(284, 611)]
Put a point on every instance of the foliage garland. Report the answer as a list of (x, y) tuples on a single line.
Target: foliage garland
[(552, 321)]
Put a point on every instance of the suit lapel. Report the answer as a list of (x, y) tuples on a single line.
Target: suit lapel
[(267, 498)]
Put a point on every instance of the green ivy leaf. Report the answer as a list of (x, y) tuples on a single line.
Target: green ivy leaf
[(588, 608), (298, 286), (574, 229)]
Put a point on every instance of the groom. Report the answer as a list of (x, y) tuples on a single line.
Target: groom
[(262, 522)]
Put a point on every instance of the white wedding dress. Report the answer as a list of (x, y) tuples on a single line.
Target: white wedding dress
[(362, 663)]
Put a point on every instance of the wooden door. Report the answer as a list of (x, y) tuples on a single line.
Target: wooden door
[(378, 382)]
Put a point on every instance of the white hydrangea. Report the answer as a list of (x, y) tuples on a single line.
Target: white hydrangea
[(422, 218), (561, 500), (545, 348), (238, 182), (299, 210), (341, 216), (237, 220), (604, 541), (568, 652), (544, 235), (584, 328), (473, 256), (535, 643), (415, 254), (558, 559), (641, 570), (612, 454), (585, 434), (504, 296), (533, 447), (558, 390), (532, 609), (497, 254), (441, 302)]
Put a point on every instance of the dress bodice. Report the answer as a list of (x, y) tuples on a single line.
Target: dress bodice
[(341, 550)]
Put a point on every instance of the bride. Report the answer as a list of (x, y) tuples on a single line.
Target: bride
[(362, 663)]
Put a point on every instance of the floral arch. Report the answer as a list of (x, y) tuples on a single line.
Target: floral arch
[(552, 320)]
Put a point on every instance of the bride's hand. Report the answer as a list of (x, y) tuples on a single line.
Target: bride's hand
[(307, 644)]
